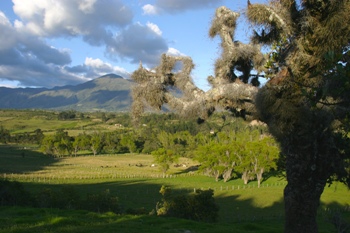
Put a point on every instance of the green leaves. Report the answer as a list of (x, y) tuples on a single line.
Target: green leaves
[(164, 158), (234, 154)]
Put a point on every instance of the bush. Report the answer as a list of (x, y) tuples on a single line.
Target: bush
[(67, 198), (46, 198), (12, 193), (102, 202), (137, 211), (199, 206)]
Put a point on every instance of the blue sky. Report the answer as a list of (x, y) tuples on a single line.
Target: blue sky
[(47, 43)]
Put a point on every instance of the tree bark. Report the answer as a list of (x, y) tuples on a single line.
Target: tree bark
[(259, 176), (301, 198), (245, 177), (227, 174)]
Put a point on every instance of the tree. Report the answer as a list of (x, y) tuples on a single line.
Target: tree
[(58, 144), (47, 145), (164, 158), (5, 135), (96, 143), (263, 155), (217, 160), (306, 103), (81, 142), (129, 141)]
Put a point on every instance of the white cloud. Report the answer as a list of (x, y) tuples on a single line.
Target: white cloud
[(27, 57), (174, 52), (87, 5), (74, 17), (149, 9), (154, 27), (97, 67)]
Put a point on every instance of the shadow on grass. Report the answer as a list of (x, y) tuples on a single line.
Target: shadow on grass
[(238, 209), (238, 212), (20, 159)]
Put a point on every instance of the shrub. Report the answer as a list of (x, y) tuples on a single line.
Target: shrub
[(12, 193), (137, 211), (102, 202), (67, 198), (199, 206), (46, 198)]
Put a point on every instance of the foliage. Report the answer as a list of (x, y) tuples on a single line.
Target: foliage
[(58, 145), (13, 193), (164, 158), (102, 202), (246, 153), (65, 115), (4, 135), (96, 143), (200, 206)]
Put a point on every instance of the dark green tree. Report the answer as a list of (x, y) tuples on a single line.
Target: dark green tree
[(5, 136), (306, 103), (58, 145)]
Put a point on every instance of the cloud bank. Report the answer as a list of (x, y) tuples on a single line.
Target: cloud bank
[(27, 58)]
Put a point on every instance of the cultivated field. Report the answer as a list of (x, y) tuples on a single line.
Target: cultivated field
[(136, 182)]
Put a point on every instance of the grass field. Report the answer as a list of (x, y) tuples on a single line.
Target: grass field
[(243, 208), (26, 121)]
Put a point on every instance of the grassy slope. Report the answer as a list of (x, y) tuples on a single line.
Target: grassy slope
[(244, 208)]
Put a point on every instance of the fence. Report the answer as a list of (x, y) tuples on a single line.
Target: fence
[(60, 179)]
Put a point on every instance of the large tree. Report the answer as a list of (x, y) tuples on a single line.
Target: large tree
[(306, 102)]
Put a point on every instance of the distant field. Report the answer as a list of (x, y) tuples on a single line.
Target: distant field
[(138, 186), (26, 121)]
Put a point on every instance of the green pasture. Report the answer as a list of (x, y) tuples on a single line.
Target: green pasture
[(136, 182), (26, 121), (16, 125)]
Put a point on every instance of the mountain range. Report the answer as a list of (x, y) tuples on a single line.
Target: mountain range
[(107, 93)]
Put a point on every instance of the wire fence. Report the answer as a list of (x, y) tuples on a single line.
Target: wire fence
[(61, 178)]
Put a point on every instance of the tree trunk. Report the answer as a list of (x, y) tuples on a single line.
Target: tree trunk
[(259, 176), (245, 177), (227, 174), (302, 197)]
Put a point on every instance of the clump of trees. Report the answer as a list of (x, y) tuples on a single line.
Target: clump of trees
[(67, 115), (306, 102), (27, 137), (230, 155)]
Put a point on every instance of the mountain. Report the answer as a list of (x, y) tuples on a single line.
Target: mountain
[(106, 93)]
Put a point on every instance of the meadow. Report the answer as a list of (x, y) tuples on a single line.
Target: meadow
[(136, 183)]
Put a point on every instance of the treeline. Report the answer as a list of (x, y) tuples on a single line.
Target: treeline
[(34, 137)]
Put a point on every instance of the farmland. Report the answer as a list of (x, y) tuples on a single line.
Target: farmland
[(240, 205), (136, 181)]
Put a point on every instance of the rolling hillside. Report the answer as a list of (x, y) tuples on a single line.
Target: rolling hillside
[(106, 93)]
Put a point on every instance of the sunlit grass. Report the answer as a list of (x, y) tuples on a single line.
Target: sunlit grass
[(248, 207)]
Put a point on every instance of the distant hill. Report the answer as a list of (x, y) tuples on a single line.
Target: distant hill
[(106, 93)]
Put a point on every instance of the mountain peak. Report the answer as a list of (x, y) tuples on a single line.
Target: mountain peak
[(111, 75)]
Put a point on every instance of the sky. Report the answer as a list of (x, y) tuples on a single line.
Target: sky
[(48, 43)]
